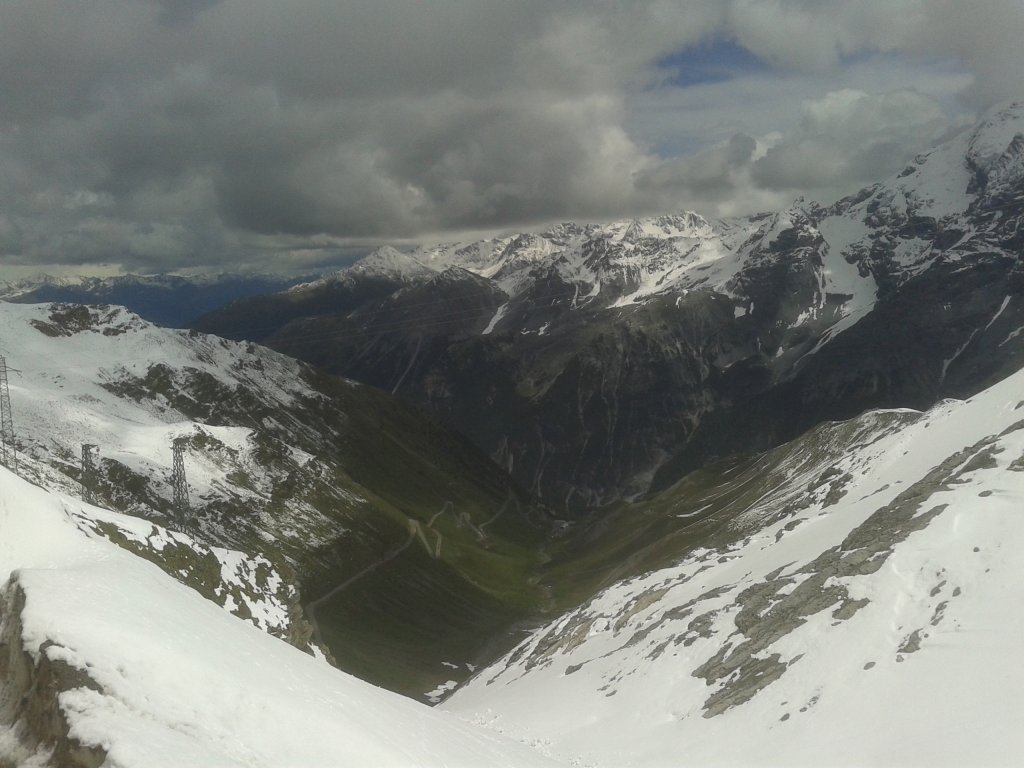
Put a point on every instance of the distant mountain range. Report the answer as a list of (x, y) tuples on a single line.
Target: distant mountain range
[(169, 300), (598, 362)]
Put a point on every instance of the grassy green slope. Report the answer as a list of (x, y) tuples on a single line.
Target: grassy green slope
[(436, 564)]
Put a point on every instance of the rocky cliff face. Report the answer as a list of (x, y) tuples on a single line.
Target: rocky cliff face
[(593, 360)]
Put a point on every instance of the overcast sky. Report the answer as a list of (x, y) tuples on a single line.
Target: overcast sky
[(177, 134)]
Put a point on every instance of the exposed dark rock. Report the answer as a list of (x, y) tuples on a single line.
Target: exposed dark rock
[(31, 683)]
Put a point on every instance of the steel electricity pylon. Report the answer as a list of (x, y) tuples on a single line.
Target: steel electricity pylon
[(88, 474), (182, 510), (8, 450)]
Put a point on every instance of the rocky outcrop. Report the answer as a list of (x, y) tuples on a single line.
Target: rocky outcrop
[(31, 682)]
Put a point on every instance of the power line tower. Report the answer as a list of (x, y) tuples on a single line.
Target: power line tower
[(8, 451), (178, 482), (88, 474)]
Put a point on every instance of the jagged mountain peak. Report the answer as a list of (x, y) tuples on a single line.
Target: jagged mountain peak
[(684, 224), (565, 232), (996, 155), (478, 255), (977, 164), (390, 262), (385, 262)]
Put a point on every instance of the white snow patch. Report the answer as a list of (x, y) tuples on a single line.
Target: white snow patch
[(500, 313), (181, 682), (435, 696), (1002, 308)]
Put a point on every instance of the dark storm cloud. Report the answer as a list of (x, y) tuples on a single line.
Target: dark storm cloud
[(170, 133)]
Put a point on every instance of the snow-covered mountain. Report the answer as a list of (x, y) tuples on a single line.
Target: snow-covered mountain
[(316, 480), (859, 606), (846, 598), (107, 660), (598, 361)]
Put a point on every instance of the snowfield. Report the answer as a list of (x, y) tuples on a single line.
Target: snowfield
[(61, 392), (874, 620), (163, 677)]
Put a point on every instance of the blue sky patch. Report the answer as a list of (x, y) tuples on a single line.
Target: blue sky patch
[(707, 63)]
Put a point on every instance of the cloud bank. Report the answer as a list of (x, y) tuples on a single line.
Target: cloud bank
[(171, 134)]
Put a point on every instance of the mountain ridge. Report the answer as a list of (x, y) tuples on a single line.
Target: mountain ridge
[(860, 607), (166, 299), (550, 353), (315, 478)]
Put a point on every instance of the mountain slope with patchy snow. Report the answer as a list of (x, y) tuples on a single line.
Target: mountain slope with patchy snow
[(104, 659), (865, 612), (317, 480)]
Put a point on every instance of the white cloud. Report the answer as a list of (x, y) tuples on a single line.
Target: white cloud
[(849, 137)]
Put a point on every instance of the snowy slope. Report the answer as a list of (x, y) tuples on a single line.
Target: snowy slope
[(133, 667), (939, 206), (300, 486), (77, 371), (872, 617)]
